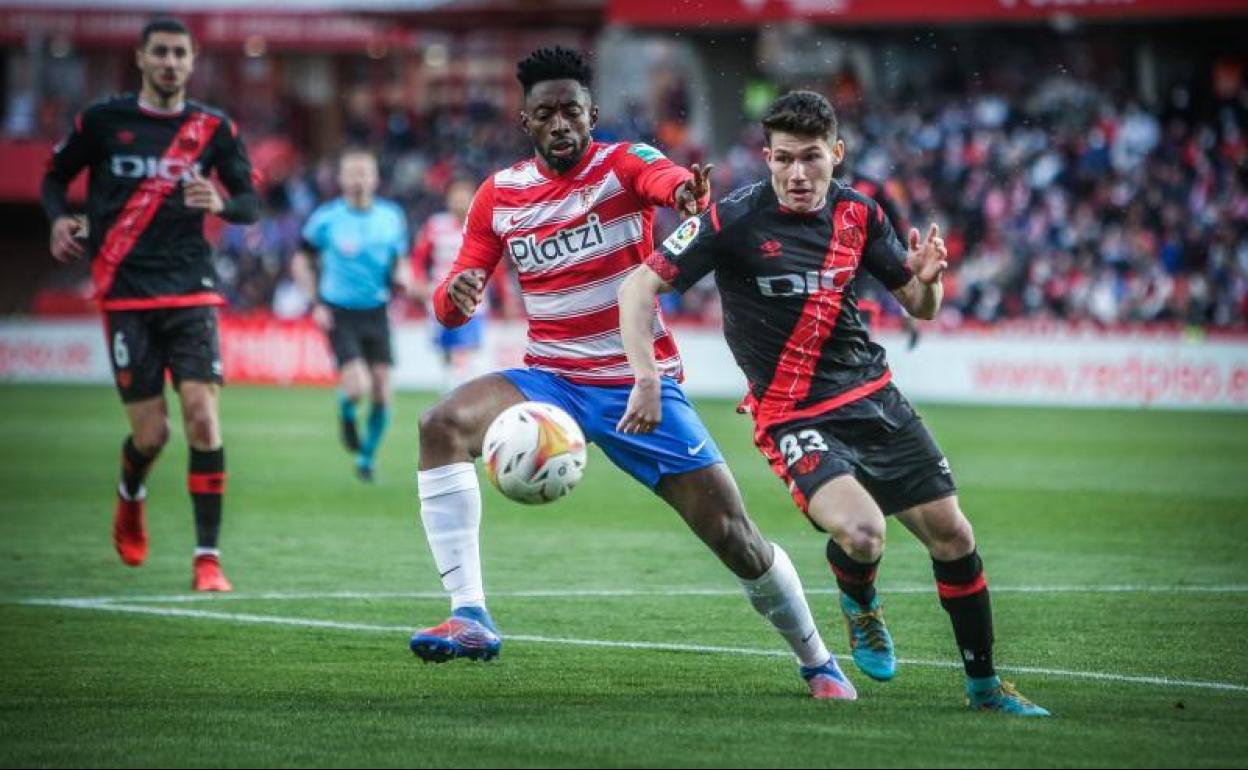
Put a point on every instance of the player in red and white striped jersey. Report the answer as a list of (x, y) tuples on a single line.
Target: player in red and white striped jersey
[(433, 255), (575, 220)]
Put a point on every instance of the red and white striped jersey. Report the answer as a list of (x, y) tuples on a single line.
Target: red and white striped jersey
[(437, 244), (573, 238)]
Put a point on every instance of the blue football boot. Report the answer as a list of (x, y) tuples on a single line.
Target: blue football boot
[(468, 633), (869, 640)]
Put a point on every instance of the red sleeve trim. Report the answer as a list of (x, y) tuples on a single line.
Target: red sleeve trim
[(659, 263)]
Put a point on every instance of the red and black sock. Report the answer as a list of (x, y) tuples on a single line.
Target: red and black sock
[(134, 467), (855, 579), (206, 483), (964, 595)]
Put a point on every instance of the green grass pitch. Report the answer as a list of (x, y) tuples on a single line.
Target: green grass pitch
[(1114, 542)]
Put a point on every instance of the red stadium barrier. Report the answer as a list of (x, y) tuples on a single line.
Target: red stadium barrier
[(267, 350)]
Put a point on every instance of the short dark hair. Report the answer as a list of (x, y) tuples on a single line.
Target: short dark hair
[(556, 63), (162, 24), (804, 113)]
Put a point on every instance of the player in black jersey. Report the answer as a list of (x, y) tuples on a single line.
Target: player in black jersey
[(851, 448), (149, 156)]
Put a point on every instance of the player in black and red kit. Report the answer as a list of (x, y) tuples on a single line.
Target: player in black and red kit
[(149, 155), (850, 447)]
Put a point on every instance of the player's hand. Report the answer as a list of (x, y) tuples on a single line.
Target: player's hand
[(199, 193), (645, 408), (929, 258), (466, 290), (323, 316), (693, 191), (65, 245)]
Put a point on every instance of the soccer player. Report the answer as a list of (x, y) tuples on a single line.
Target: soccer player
[(575, 220), (149, 155), (356, 243), (848, 444), (436, 246)]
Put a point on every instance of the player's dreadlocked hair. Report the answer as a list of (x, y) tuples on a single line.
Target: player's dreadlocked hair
[(804, 113), (556, 63)]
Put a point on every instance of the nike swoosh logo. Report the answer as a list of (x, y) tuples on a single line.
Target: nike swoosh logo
[(806, 638), (449, 571), (515, 220), (693, 450)]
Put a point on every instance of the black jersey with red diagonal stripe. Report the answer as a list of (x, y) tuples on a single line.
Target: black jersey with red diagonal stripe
[(786, 284), (147, 247)]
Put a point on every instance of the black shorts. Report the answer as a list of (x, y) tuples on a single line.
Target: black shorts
[(361, 334), (144, 344), (879, 439)]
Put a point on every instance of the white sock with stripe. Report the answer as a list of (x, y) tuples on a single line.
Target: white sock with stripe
[(450, 509), (777, 595)]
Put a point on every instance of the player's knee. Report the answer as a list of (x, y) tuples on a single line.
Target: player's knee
[(862, 540), (201, 427), (953, 541), (442, 427), (152, 436)]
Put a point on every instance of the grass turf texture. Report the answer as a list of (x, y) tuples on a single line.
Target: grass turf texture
[(1059, 498)]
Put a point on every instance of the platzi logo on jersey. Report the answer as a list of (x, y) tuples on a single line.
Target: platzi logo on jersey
[(801, 284), (532, 254), (139, 167)]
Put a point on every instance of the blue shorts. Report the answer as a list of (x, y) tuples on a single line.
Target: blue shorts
[(680, 443), (460, 337)]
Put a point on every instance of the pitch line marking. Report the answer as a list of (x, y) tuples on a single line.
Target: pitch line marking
[(181, 612), (611, 593)]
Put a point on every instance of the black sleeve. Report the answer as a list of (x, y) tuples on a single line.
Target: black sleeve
[(234, 169), (73, 154), (883, 255), (689, 253)]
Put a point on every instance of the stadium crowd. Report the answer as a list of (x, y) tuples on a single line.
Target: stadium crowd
[(1059, 199)]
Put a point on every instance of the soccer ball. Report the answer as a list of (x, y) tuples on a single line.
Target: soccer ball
[(534, 452)]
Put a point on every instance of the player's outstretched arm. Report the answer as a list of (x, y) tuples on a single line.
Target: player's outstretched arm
[(637, 308), (927, 259)]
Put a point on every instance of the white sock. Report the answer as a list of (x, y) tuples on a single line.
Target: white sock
[(778, 596), (450, 508), (140, 495), (207, 552)]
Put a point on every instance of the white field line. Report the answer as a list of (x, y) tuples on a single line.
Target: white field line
[(610, 593), (181, 612)]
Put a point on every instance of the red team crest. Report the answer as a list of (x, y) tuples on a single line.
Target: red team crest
[(809, 462), (770, 249), (851, 237)]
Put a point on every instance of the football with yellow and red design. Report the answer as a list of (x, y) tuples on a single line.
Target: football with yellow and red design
[(534, 452)]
